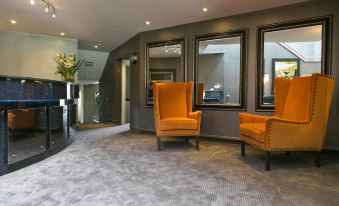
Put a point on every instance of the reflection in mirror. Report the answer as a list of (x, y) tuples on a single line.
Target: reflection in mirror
[(291, 49), (165, 63), (219, 70), (27, 136), (290, 53)]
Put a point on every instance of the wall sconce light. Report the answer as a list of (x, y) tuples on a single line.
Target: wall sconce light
[(217, 86), (134, 58)]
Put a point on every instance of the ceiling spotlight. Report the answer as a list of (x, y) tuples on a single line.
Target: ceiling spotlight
[(62, 34), (96, 46), (47, 9), (48, 6), (166, 50), (147, 22), (53, 15), (13, 21), (204, 9)]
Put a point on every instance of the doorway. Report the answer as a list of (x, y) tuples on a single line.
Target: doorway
[(125, 91)]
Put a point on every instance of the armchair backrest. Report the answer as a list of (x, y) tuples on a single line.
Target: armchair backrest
[(304, 98), (173, 99), (22, 119)]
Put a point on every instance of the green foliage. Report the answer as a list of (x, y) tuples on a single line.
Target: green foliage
[(67, 65)]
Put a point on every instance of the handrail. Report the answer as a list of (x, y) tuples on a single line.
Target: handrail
[(103, 103)]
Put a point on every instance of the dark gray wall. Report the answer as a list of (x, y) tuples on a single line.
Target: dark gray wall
[(217, 122), (90, 107), (110, 82)]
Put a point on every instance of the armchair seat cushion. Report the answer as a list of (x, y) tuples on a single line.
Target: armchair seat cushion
[(175, 123), (254, 130)]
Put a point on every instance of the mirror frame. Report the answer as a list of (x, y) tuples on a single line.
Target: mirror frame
[(181, 41), (243, 34), (325, 21)]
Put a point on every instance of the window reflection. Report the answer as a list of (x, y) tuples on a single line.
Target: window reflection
[(165, 63), (219, 71), (290, 53)]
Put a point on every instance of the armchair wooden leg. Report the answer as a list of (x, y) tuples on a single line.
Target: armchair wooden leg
[(268, 161), (317, 159), (159, 143), (242, 148), (197, 142)]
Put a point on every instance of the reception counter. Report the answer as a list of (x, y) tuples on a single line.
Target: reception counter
[(35, 119)]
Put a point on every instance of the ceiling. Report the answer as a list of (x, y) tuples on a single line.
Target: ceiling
[(111, 23), (302, 34), (167, 51)]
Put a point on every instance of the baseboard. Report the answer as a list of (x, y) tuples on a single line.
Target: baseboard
[(327, 149), (212, 136), (138, 129)]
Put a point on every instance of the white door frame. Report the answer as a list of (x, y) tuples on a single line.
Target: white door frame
[(124, 64)]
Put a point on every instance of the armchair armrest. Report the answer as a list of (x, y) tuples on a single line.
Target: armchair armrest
[(252, 118), (197, 116), (293, 135)]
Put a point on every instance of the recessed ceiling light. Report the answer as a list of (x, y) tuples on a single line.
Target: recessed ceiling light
[(32, 2), (204, 9), (96, 46), (62, 34), (13, 21), (147, 22)]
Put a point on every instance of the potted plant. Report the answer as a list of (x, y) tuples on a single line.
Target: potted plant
[(67, 66)]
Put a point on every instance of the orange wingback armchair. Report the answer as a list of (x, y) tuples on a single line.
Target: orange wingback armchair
[(173, 111), (301, 113)]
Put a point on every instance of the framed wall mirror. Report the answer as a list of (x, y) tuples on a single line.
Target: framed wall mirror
[(219, 72), (289, 50), (165, 62)]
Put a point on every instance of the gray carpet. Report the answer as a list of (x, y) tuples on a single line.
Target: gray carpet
[(112, 166)]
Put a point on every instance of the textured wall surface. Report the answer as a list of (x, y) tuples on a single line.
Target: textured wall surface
[(220, 123), (30, 55), (110, 82), (94, 72), (168, 63)]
